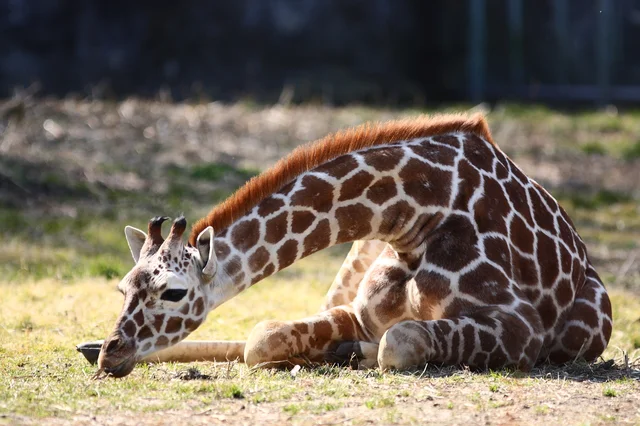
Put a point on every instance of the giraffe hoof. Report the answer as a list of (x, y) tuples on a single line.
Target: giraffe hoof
[(90, 350), (355, 354), (398, 351), (345, 353)]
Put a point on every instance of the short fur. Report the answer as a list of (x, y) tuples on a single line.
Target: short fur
[(311, 155)]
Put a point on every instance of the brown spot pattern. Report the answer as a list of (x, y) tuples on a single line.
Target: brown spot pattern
[(491, 210), (394, 217), (355, 185), (245, 234), (354, 222), (487, 284), (316, 193), (452, 141), (139, 319), (270, 205), (287, 253), (222, 250), (524, 270), (318, 239), (129, 328), (301, 221), (433, 286), (453, 243), (497, 250), (258, 259), (382, 190), (518, 197), (470, 180), (542, 216), (393, 304), (339, 167), (434, 153), (521, 236), (276, 228), (383, 159), (547, 259), (478, 153), (174, 324), (425, 184), (548, 312), (198, 307)]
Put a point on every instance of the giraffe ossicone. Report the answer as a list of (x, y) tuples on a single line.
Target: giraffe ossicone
[(457, 258)]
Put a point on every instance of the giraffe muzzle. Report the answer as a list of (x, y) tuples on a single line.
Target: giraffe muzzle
[(122, 369), (117, 356)]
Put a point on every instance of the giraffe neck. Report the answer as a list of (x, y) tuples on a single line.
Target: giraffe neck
[(359, 196)]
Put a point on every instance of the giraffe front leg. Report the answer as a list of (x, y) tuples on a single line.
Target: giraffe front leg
[(493, 337), (200, 350), (307, 341)]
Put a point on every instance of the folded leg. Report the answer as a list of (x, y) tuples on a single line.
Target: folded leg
[(490, 337), (307, 341), (586, 332), (345, 285)]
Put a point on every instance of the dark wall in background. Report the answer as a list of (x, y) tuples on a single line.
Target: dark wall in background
[(382, 51)]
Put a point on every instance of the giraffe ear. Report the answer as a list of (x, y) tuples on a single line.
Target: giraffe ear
[(135, 239), (204, 243)]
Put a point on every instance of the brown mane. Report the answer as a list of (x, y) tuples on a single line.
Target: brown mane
[(311, 155)]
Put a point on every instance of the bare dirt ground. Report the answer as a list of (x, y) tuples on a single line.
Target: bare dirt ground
[(111, 162)]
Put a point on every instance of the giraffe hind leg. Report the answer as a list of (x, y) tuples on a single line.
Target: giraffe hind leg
[(345, 285), (491, 337), (587, 330)]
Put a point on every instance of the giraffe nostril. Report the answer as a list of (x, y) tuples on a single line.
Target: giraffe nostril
[(113, 345)]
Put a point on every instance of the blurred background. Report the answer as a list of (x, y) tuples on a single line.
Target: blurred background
[(115, 111), (334, 51)]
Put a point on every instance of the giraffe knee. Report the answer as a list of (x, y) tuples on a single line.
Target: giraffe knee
[(266, 343), (403, 346)]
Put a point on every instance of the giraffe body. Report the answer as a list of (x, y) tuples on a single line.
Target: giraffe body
[(458, 258)]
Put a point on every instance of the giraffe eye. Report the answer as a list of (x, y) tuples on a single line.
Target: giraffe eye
[(173, 295)]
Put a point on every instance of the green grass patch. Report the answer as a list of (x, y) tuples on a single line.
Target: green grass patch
[(594, 148), (218, 171), (632, 151), (592, 201), (382, 402)]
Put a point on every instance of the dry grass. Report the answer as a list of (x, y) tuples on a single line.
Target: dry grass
[(44, 378)]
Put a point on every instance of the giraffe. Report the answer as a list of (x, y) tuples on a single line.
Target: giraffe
[(457, 258)]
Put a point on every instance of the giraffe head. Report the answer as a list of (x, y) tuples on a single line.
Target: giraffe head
[(167, 294)]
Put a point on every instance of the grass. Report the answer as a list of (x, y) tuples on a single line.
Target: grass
[(44, 377)]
